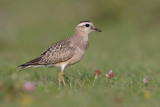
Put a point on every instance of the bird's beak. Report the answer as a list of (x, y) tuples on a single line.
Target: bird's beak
[(96, 29)]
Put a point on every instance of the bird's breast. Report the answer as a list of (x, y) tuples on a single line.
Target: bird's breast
[(83, 44)]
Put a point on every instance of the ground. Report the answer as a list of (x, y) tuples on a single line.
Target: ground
[(132, 57), (129, 45)]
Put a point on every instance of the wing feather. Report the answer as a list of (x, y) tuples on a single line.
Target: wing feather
[(59, 52)]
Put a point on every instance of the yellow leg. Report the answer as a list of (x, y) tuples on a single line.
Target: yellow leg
[(63, 80), (60, 77)]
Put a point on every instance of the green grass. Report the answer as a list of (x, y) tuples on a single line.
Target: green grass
[(131, 57), (128, 45)]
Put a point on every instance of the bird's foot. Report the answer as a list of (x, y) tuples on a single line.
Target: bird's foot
[(60, 78)]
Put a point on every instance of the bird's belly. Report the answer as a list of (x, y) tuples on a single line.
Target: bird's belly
[(73, 60), (76, 58), (50, 65)]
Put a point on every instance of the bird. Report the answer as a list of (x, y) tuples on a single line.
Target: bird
[(65, 52)]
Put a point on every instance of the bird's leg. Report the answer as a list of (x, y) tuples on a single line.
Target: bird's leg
[(59, 78), (63, 78)]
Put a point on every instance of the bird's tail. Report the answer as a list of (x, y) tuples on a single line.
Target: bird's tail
[(22, 67), (32, 63)]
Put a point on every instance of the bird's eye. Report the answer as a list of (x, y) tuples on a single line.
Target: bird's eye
[(87, 25)]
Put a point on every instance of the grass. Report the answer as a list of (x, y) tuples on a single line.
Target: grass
[(128, 45), (131, 57)]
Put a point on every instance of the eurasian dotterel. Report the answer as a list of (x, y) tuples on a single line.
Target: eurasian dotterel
[(65, 52)]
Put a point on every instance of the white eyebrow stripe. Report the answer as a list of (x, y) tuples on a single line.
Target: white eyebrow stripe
[(81, 24)]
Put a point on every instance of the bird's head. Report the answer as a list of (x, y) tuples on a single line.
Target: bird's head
[(86, 27)]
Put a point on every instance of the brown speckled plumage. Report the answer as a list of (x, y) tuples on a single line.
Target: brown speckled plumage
[(59, 52)]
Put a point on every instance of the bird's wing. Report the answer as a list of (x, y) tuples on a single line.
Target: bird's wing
[(59, 52)]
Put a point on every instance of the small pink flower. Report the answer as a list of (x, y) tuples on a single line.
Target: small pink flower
[(106, 75), (28, 86), (110, 74)]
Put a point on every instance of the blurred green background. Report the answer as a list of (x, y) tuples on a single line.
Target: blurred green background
[(129, 44), (38, 23)]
